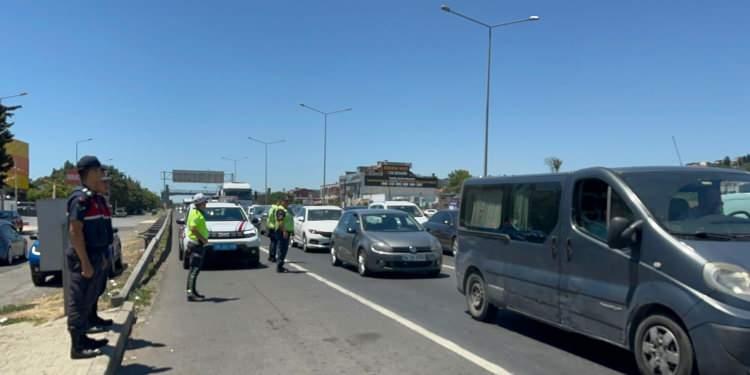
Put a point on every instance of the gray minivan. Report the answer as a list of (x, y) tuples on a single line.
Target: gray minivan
[(647, 259)]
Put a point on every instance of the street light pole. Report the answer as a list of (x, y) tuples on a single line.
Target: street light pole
[(325, 143), (265, 145), (13, 96), (79, 142), (490, 28)]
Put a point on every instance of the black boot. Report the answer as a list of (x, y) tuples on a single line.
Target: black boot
[(93, 343), (100, 322), (78, 350)]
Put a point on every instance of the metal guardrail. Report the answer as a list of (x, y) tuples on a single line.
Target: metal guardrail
[(152, 238)]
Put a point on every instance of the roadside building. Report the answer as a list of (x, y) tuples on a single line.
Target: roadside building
[(305, 196), (388, 181)]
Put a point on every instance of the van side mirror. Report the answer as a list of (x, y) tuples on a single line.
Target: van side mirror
[(180, 221), (622, 232)]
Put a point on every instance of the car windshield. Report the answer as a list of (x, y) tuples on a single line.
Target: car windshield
[(260, 210), (390, 223), (412, 210), (708, 205), (321, 215), (224, 214)]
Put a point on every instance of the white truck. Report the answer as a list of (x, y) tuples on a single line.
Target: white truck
[(237, 192)]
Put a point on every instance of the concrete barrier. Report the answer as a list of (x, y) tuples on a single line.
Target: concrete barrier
[(135, 277), (110, 362)]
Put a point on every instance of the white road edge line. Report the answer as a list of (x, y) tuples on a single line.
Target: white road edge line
[(445, 343)]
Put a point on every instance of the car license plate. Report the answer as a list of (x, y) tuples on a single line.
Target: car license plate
[(224, 246), (414, 257)]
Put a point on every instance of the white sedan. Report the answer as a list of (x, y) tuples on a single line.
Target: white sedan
[(314, 225)]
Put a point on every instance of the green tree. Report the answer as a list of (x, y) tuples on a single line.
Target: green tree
[(456, 180), (6, 161), (727, 162), (554, 164)]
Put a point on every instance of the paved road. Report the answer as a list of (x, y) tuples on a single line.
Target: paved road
[(329, 320), (15, 281)]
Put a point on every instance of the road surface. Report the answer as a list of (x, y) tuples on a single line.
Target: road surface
[(325, 320), (15, 281)]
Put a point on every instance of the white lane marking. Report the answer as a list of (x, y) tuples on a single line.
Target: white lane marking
[(445, 343)]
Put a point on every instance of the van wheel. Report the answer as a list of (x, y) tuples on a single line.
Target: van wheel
[(477, 301), (663, 348)]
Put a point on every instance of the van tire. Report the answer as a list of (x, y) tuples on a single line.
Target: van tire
[(657, 336), (477, 302)]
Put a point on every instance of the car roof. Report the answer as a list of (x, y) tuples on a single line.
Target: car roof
[(377, 212), (322, 208), (394, 203), (222, 205)]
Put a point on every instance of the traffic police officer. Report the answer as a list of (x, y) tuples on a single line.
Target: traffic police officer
[(198, 235), (271, 229), (284, 230), (90, 232)]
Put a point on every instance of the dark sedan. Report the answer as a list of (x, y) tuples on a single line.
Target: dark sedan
[(442, 225), (385, 240)]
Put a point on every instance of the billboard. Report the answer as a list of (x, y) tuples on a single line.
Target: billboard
[(19, 174), (420, 182), (201, 177)]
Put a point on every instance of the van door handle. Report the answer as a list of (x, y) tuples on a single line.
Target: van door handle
[(569, 249), (554, 247)]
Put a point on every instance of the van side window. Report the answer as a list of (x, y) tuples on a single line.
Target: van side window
[(534, 213), (595, 205), (482, 207)]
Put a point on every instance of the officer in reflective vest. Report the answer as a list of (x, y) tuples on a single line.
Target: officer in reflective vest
[(284, 231), (271, 227), (198, 235), (91, 234)]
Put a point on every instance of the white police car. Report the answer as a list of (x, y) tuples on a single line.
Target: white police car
[(230, 234)]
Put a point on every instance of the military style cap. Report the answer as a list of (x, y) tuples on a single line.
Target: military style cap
[(88, 162)]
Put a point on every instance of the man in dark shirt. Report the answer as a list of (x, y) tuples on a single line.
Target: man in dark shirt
[(90, 232)]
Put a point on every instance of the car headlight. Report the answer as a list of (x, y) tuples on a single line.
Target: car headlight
[(34, 250), (250, 233), (312, 231), (728, 278), (380, 246)]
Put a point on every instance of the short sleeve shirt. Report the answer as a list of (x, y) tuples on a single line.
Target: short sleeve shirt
[(93, 211), (198, 221)]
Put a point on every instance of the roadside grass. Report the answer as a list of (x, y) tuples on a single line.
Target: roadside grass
[(7, 309), (142, 297)]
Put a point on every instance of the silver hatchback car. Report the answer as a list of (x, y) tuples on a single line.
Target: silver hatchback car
[(385, 240)]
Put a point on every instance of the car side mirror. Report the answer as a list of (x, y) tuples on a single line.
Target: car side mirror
[(300, 219), (180, 221), (255, 221), (622, 232), (351, 230)]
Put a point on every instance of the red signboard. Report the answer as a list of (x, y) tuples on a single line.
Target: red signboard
[(72, 177)]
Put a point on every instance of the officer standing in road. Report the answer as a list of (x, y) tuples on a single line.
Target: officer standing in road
[(198, 235), (271, 230), (284, 230), (90, 231)]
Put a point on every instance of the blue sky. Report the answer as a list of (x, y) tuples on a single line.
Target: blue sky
[(178, 84)]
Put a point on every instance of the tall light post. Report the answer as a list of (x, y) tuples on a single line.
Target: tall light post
[(234, 176), (266, 144), (490, 28), (325, 142), (78, 143)]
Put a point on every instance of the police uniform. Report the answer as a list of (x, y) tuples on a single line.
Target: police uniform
[(271, 231), (197, 251), (92, 210)]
